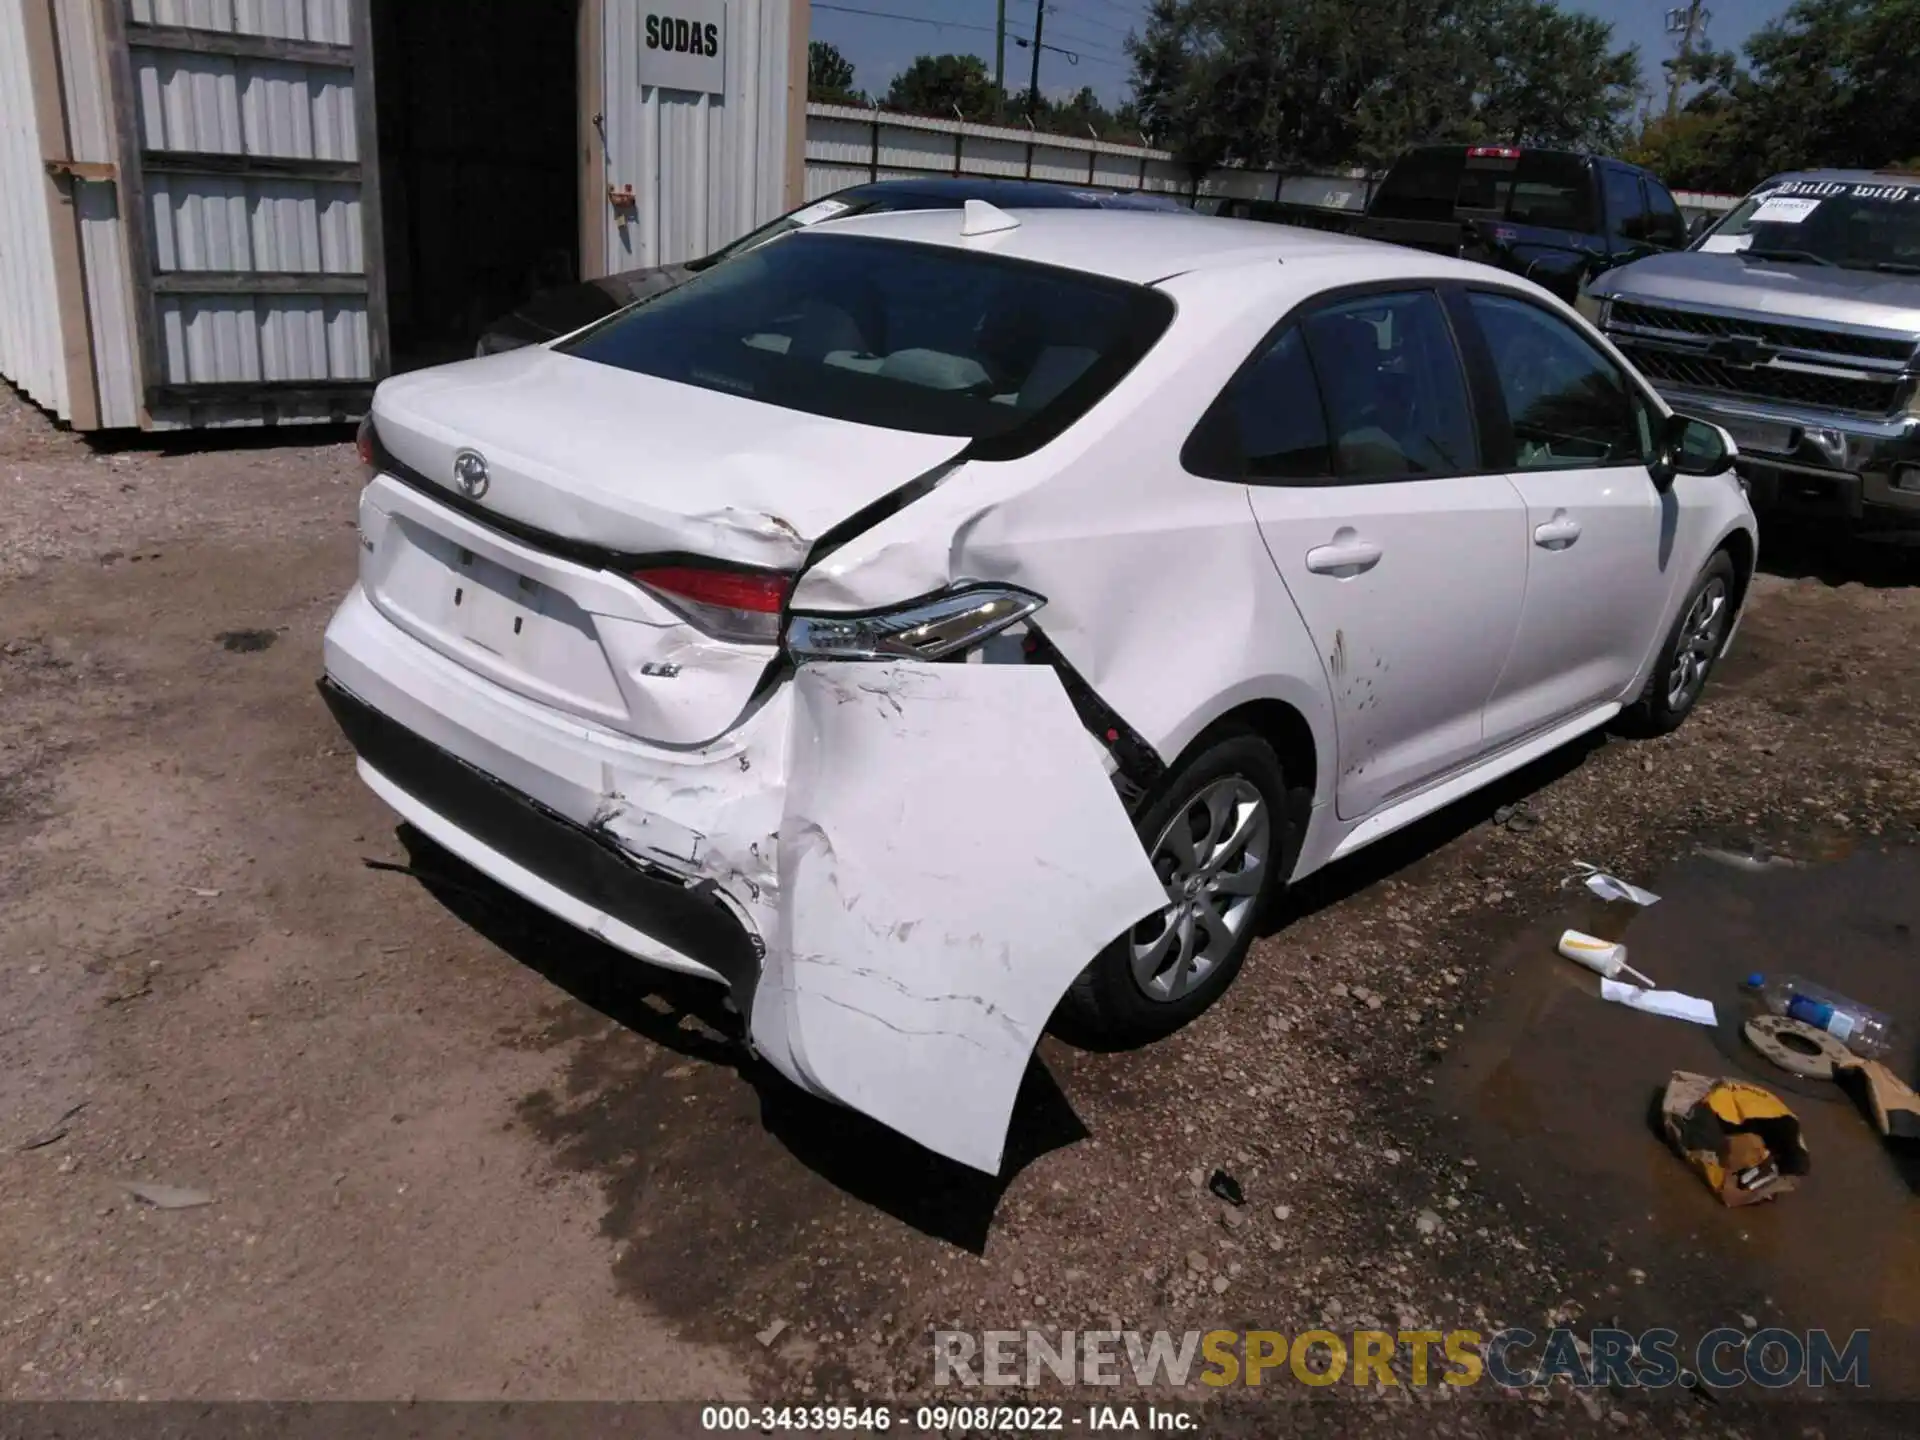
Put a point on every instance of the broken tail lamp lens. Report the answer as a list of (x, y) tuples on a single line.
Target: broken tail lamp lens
[(938, 629), (729, 604)]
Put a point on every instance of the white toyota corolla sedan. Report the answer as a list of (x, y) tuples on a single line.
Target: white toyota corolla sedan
[(929, 620)]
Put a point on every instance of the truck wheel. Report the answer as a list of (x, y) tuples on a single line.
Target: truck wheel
[(1687, 659)]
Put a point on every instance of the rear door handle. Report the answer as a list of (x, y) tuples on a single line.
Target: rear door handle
[(1558, 533), (1348, 555)]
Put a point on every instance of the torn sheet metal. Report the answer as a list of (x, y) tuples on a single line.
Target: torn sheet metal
[(951, 857)]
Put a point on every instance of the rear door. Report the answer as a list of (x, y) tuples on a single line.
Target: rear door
[(1576, 433), (1405, 558), (249, 191)]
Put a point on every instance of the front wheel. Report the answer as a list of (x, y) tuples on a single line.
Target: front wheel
[(1215, 834), (1687, 659)]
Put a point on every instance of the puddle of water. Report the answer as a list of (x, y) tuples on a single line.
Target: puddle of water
[(1555, 1093)]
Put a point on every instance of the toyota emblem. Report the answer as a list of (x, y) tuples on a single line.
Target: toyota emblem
[(470, 473)]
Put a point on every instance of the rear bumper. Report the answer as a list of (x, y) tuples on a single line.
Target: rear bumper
[(694, 925), (840, 857), (497, 767)]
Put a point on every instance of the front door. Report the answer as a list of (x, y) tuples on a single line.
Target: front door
[(1599, 535), (1406, 561)]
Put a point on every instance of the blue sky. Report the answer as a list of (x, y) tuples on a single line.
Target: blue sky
[(1095, 30)]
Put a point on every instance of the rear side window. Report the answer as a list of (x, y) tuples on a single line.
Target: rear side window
[(1395, 393), (1569, 405), (893, 334), (1268, 425)]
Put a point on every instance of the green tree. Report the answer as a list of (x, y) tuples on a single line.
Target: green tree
[(944, 85), (1831, 82), (830, 76), (1310, 83)]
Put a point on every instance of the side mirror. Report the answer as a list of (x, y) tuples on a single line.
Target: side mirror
[(1691, 447), (1697, 226)]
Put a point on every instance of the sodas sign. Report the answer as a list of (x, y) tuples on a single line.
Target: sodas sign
[(682, 45)]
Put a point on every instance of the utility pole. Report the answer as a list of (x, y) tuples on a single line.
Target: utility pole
[(1033, 86), (1690, 24), (1000, 63)]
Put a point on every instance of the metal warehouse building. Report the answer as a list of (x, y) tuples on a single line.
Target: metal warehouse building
[(218, 212)]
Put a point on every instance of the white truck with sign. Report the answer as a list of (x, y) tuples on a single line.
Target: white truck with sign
[(1794, 324)]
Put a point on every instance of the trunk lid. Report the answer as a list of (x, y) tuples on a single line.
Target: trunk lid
[(589, 473)]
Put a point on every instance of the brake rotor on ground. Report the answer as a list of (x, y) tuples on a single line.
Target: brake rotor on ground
[(1796, 1046)]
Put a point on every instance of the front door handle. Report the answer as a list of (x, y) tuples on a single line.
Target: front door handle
[(1558, 533), (1348, 555)]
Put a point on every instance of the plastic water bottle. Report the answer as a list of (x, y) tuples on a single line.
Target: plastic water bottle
[(1862, 1029)]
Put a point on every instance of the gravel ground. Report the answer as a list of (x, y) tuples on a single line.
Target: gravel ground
[(456, 1151)]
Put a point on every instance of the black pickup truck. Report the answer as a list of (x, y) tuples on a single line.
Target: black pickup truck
[(1554, 216)]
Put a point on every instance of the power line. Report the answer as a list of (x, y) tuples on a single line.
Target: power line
[(1073, 56), (1086, 19), (911, 19)]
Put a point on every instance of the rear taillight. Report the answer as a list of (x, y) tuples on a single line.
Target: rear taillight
[(363, 442), (742, 605), (1493, 152)]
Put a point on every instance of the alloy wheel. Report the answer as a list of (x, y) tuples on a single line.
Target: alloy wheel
[(1701, 635), (1212, 857)]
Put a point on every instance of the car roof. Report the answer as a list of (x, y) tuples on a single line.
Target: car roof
[(955, 190), (1136, 246)]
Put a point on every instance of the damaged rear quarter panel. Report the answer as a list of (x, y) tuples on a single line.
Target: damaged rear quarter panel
[(952, 855), (1160, 591)]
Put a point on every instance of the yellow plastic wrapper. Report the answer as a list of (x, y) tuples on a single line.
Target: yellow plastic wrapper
[(1738, 1137)]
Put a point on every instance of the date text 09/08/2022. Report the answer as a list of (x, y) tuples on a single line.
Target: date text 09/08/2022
[(947, 1419)]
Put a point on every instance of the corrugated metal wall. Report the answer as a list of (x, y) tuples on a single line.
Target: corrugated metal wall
[(32, 353), (204, 104), (705, 169)]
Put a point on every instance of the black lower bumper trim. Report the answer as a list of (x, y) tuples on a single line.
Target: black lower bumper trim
[(566, 855)]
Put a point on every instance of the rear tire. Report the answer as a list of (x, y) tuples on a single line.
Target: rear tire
[(1217, 834), (1686, 661)]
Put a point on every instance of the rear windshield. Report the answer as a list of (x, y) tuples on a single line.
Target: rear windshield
[(1540, 187), (892, 334)]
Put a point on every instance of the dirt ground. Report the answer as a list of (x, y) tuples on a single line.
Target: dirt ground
[(456, 1151)]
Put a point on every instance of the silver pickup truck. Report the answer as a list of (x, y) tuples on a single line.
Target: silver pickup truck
[(1795, 325)]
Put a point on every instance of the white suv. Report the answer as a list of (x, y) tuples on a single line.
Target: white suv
[(929, 619)]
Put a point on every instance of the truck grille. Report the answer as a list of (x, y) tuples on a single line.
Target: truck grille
[(1785, 337), (1762, 382)]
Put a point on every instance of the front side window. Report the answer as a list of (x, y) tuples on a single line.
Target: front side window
[(1570, 406), (1626, 208), (1395, 393), (922, 338), (1666, 226)]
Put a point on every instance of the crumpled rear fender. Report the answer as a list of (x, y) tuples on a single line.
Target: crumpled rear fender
[(951, 855)]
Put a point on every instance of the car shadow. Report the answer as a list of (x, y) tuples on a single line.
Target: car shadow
[(938, 1197), (1828, 552)]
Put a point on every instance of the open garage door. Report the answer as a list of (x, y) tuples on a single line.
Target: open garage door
[(250, 193)]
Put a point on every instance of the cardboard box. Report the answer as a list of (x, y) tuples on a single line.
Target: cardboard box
[(1738, 1137)]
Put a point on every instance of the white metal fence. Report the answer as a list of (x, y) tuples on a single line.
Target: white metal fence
[(849, 145)]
